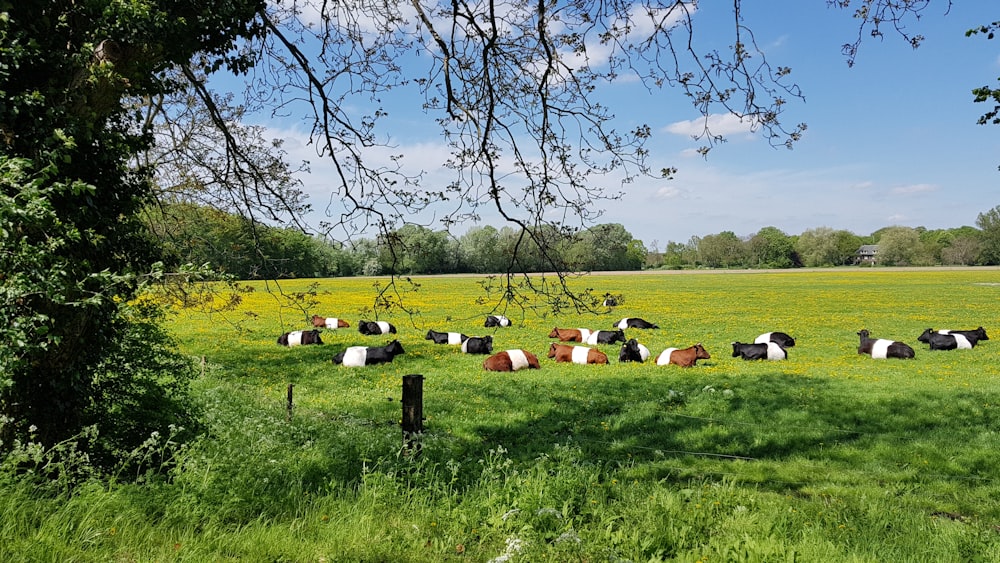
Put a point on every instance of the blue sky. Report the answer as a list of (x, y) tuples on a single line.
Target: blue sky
[(891, 141)]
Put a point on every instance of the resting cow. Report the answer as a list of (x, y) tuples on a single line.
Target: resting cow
[(496, 320), (779, 338), (374, 328), (882, 348), (633, 322), (357, 356), (329, 322), (978, 334), (947, 341), (478, 345), (455, 338), (685, 357), (605, 337), (632, 351), (577, 354), (759, 351), (297, 337), (571, 334), (511, 360)]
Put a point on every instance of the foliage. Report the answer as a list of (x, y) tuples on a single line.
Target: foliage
[(989, 225), (824, 246), (71, 248), (985, 93), (899, 246)]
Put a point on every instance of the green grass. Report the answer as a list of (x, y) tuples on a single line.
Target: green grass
[(828, 456)]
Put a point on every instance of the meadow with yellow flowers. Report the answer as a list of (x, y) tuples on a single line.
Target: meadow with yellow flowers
[(826, 456)]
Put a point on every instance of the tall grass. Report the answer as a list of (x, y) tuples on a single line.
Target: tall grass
[(828, 456)]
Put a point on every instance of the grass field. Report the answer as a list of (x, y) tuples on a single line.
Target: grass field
[(828, 456)]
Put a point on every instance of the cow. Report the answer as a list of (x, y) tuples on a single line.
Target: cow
[(632, 351), (478, 345), (685, 357), (978, 334), (577, 354), (882, 348), (633, 322), (496, 320), (511, 360), (571, 334), (779, 338), (455, 338), (297, 337), (612, 300), (947, 341), (605, 337), (329, 322), (357, 356), (374, 328), (759, 351)]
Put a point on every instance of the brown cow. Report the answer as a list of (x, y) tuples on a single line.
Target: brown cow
[(571, 334), (511, 360), (329, 322), (577, 354), (684, 358)]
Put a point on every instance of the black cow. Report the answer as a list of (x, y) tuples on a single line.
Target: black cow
[(882, 348), (478, 345), (948, 340), (632, 351), (978, 334), (759, 351), (605, 337), (496, 320), (357, 356), (779, 338), (633, 322), (374, 328), (297, 337), (455, 338)]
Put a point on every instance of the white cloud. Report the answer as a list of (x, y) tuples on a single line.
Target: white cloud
[(670, 192), (717, 124), (913, 189)]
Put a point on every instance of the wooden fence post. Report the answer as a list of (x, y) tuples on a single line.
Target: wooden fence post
[(413, 413), (288, 405)]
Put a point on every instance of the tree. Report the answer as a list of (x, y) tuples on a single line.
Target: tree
[(71, 247), (825, 246), (963, 251), (989, 226), (772, 248), (985, 93), (900, 246), (724, 250)]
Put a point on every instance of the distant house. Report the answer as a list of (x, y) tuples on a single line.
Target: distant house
[(865, 256)]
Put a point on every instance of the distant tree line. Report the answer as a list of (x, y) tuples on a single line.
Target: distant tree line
[(231, 244)]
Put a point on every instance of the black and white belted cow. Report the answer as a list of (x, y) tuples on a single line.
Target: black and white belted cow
[(780, 338), (375, 328), (357, 356), (478, 345), (300, 337), (882, 348), (496, 320), (949, 340), (759, 351), (454, 338)]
